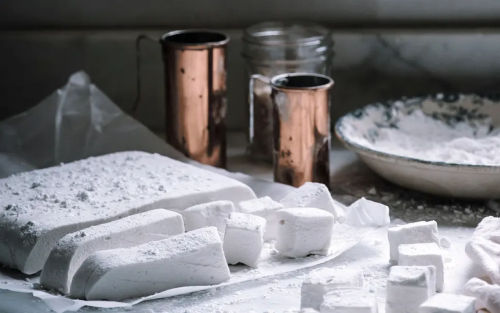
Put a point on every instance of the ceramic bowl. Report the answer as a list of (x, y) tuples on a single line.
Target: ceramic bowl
[(438, 178)]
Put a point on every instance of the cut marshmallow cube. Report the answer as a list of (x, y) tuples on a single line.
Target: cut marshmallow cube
[(424, 254), (194, 258), (70, 252), (368, 213), (323, 280), (448, 303), (207, 214), (304, 231), (315, 195), (408, 287), (243, 240), (349, 301), (264, 207), (419, 232)]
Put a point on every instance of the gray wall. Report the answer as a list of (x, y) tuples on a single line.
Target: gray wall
[(384, 48)]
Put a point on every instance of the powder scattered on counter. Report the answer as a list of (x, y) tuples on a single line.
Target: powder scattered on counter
[(420, 136)]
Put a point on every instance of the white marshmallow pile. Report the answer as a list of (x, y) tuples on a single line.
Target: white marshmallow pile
[(207, 214), (368, 213), (408, 287), (243, 240), (424, 254), (314, 195), (264, 207), (448, 303), (419, 232), (323, 280), (303, 231)]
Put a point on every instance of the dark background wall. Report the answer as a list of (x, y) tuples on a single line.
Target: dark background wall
[(384, 48)]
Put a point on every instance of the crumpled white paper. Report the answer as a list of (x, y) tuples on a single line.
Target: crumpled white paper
[(484, 247), (79, 121)]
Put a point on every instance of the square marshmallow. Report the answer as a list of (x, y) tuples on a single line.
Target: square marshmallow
[(448, 303), (303, 231), (408, 287), (264, 207), (349, 300), (322, 280), (368, 213), (424, 254), (207, 214), (243, 240), (314, 195), (419, 232)]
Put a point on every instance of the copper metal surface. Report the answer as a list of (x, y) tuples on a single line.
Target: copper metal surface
[(301, 128), (195, 77)]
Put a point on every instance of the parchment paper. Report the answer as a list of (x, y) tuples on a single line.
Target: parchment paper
[(79, 121)]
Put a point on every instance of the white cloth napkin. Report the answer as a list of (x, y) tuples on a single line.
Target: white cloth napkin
[(484, 247), (487, 296)]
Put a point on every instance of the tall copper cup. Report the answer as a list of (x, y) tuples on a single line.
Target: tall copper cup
[(301, 128), (195, 78)]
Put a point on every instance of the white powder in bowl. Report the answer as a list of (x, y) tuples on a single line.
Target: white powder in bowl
[(422, 137)]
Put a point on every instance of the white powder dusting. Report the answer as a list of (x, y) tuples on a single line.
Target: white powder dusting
[(422, 137)]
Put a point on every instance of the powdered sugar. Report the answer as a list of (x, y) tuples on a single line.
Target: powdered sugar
[(419, 136)]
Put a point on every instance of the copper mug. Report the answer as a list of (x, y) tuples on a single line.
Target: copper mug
[(301, 128), (195, 93)]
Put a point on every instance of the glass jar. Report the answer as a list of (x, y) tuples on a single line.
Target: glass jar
[(275, 48)]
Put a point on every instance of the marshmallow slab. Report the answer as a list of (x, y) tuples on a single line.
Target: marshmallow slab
[(368, 213), (303, 231), (419, 232), (424, 254), (40, 207), (264, 207), (243, 240), (349, 301), (70, 252), (191, 259), (323, 280), (314, 195), (408, 287), (448, 303), (207, 214)]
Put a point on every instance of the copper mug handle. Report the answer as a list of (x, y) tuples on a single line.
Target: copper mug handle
[(251, 95), (138, 41)]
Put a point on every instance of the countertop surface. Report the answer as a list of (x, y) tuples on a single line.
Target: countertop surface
[(350, 180)]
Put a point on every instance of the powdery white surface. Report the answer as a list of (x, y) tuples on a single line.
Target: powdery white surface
[(314, 195), (38, 208), (242, 279), (264, 207), (194, 258), (422, 137), (244, 239), (364, 212), (322, 280), (408, 287), (448, 303), (349, 301), (70, 252), (212, 213), (418, 232), (304, 231)]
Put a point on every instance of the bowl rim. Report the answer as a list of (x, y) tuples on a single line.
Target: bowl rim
[(395, 158)]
